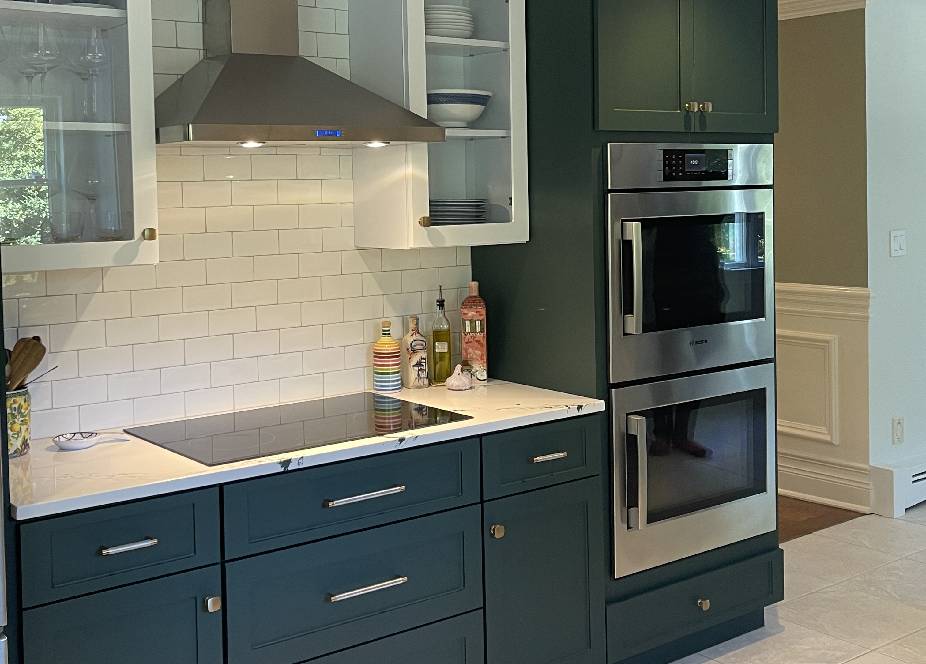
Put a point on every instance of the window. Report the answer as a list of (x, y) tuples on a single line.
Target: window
[(23, 175)]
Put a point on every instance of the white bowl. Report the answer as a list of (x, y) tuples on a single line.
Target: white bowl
[(457, 107)]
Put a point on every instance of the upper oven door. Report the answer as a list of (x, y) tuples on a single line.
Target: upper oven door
[(692, 281)]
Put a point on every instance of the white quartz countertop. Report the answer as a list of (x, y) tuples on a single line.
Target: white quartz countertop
[(47, 481)]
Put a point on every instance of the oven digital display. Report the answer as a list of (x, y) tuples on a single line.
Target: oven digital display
[(700, 165)]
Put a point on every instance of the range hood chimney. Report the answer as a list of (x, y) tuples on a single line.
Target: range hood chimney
[(253, 86)]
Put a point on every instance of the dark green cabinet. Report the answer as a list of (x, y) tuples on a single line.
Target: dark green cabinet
[(544, 596), (688, 65), (156, 622)]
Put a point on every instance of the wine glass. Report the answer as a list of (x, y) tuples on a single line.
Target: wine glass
[(91, 57), (39, 53)]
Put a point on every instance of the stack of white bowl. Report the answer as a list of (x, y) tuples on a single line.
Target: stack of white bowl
[(449, 21)]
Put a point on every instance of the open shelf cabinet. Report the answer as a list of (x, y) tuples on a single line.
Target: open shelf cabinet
[(392, 56)]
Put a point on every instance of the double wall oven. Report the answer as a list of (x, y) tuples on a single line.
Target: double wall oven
[(692, 344)]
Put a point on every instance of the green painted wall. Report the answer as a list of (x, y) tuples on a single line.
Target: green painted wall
[(820, 156)]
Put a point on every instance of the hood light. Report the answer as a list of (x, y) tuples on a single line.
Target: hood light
[(252, 144), (377, 144)]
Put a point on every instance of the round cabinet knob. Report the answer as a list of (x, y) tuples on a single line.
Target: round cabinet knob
[(149, 234), (498, 531), (425, 222), (704, 605), (213, 604)]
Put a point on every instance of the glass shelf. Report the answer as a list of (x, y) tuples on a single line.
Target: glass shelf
[(13, 12)]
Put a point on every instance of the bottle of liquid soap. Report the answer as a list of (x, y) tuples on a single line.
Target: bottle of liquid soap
[(440, 342), (475, 350), (414, 357)]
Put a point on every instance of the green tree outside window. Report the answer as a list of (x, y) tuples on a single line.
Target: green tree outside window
[(23, 186)]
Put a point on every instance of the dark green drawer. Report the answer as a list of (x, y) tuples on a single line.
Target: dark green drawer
[(539, 456), (304, 602), (455, 641), (91, 551), (156, 622), (652, 619), (308, 505)]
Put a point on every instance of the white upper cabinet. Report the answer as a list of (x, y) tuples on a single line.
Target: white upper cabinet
[(77, 162), (394, 186)]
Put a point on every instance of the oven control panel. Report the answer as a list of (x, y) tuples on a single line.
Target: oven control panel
[(697, 165)]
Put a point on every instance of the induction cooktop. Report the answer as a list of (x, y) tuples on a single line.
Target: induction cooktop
[(250, 434)]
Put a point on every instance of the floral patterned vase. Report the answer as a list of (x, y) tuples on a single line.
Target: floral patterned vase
[(18, 421)]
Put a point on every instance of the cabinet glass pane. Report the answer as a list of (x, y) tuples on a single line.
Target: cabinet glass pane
[(66, 175)]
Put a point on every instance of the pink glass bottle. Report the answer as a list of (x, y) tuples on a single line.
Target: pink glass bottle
[(475, 349)]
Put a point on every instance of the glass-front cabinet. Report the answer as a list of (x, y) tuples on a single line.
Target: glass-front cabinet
[(463, 66), (77, 173)]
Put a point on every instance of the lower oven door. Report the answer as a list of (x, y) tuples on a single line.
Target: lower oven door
[(691, 281), (694, 465)]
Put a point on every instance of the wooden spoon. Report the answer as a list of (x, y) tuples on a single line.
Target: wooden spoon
[(27, 355)]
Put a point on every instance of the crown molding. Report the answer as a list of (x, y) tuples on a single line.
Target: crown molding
[(788, 9)]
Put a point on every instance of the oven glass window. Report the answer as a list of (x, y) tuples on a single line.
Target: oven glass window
[(699, 454), (700, 270)]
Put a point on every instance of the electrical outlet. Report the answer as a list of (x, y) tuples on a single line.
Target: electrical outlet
[(897, 430)]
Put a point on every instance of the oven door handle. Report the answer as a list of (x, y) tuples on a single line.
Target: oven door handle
[(636, 425), (632, 231)]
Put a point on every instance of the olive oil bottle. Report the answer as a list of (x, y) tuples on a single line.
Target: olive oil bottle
[(440, 342)]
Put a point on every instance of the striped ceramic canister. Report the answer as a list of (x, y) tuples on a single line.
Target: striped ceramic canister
[(387, 362)]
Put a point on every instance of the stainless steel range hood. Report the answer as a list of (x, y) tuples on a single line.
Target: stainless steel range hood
[(254, 86)]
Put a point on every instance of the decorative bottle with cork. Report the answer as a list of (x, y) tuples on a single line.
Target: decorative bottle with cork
[(475, 350), (387, 361), (440, 342), (414, 357)]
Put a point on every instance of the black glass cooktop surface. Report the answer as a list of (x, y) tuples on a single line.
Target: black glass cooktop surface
[(216, 439)]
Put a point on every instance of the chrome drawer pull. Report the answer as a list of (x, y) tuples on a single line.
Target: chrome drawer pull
[(376, 587), (391, 491), (128, 548), (545, 458)]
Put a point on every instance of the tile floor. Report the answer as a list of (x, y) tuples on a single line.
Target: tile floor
[(855, 592)]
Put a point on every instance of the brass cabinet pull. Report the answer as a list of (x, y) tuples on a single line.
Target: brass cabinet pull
[(213, 604), (546, 458), (128, 548), (366, 590), (706, 107), (692, 106), (363, 497), (704, 605), (497, 531)]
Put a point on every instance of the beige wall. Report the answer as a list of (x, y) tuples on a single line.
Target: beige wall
[(820, 170)]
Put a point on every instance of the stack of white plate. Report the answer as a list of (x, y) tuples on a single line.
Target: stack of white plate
[(459, 211), (449, 21)]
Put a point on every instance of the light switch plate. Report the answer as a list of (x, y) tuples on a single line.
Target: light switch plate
[(898, 244)]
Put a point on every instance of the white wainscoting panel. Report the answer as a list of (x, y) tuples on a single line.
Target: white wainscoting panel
[(788, 9), (823, 394)]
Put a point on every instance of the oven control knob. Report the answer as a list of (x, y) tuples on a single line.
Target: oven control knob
[(497, 531), (704, 605)]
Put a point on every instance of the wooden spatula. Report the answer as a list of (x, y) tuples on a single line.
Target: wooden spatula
[(27, 355)]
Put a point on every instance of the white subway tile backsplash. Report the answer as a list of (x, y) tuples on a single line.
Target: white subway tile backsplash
[(301, 388), (135, 384), (47, 310), (227, 167), (337, 191), (338, 239), (228, 270), (316, 265), (313, 167), (333, 45), (177, 10), (231, 321), (170, 195), (342, 22), (177, 221), (253, 293), (157, 301), (258, 243), (404, 304), (323, 360), (78, 391), (255, 344), (319, 216), (254, 192), (439, 257), (207, 245), (342, 286), (183, 326), (361, 260), (163, 33), (312, 19), (273, 167), (285, 365), (190, 35), (209, 349), (110, 415), (269, 217), (285, 266), (180, 169), (181, 273), (48, 423), (129, 278), (363, 308), (104, 361), (360, 355), (253, 395), (186, 378), (158, 355), (342, 334), (11, 313), (401, 259), (206, 298), (301, 241), (207, 194), (63, 282), (207, 402), (232, 218), (455, 277), (129, 331), (464, 255), (301, 338), (279, 316), (345, 382), (76, 336), (419, 280), (159, 409), (25, 284), (306, 289), (381, 283), (298, 192), (40, 395), (170, 248), (318, 313), (233, 372)]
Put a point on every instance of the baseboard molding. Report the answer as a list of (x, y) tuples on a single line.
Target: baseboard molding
[(825, 481), (788, 9)]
